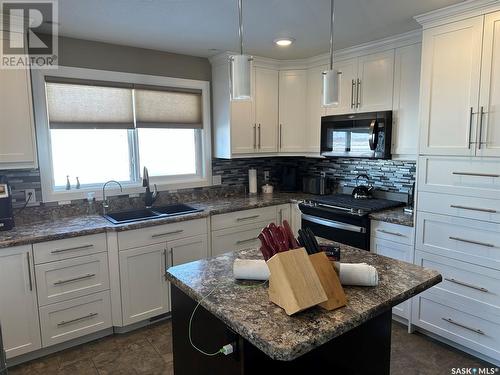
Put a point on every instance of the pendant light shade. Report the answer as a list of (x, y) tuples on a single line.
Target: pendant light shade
[(241, 67), (332, 77)]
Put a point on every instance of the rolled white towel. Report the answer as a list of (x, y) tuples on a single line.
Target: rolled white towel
[(358, 274), (249, 269)]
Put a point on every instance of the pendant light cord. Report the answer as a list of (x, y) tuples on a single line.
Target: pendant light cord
[(240, 29), (332, 17)]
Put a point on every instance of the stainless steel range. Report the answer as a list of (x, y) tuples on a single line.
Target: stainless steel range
[(343, 218)]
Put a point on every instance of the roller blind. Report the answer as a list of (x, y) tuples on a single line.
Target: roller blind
[(89, 105), (168, 108)]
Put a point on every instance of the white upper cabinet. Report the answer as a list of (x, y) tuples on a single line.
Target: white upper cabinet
[(375, 81), (405, 101), (243, 127), (266, 109), (17, 131), (18, 305), (488, 135), (292, 110), (449, 97), (365, 84), (348, 81), (315, 108)]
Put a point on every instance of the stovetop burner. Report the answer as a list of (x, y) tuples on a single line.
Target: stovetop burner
[(345, 202)]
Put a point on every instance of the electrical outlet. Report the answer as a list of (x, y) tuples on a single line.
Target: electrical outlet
[(217, 179), (266, 176), (27, 193)]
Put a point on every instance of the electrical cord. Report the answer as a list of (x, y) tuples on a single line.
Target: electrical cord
[(30, 195), (221, 350)]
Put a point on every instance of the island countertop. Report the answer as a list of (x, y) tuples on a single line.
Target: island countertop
[(246, 309)]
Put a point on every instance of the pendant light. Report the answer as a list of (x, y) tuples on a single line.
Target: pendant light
[(241, 67), (331, 78)]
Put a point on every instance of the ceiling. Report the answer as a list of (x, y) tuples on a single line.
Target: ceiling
[(206, 27)]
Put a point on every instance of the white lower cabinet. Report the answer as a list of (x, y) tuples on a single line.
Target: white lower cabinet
[(74, 318), (18, 305), (188, 249), (295, 218), (237, 238), (393, 241), (144, 288), (283, 212)]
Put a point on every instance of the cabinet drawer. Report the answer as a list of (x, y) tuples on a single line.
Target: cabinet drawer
[(468, 240), (239, 218), (467, 326), (457, 205), (473, 177), (392, 232), (231, 239), (161, 233), (69, 248), (479, 284), (78, 317), (71, 278)]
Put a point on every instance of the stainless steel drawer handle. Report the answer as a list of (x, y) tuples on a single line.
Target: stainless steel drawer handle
[(66, 322), (167, 233), (466, 285), (71, 249), (247, 240), (30, 279), (471, 241), (474, 208), (247, 218), (449, 320), (78, 278), (476, 174), (391, 233)]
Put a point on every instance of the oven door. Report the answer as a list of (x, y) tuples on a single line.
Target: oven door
[(352, 234)]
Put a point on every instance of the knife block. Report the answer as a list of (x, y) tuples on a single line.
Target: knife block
[(294, 284), (329, 281)]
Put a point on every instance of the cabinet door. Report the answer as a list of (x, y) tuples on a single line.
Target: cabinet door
[(266, 109), (232, 239), (18, 306), (188, 249), (283, 213), (489, 123), (296, 218), (144, 288), (405, 102), (375, 85), (451, 63), (243, 127), (315, 108), (17, 140), (347, 99), (292, 110)]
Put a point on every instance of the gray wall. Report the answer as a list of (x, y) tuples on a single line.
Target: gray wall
[(97, 55)]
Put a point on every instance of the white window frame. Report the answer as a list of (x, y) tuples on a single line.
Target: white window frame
[(49, 194)]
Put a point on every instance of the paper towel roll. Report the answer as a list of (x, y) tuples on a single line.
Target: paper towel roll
[(358, 274), (252, 181), (248, 269)]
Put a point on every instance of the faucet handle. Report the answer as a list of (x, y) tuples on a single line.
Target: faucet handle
[(155, 193)]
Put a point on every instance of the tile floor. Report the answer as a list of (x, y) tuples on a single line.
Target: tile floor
[(149, 351)]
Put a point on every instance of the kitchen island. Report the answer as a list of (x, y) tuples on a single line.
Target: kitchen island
[(353, 339)]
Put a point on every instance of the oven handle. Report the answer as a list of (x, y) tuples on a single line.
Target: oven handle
[(333, 224)]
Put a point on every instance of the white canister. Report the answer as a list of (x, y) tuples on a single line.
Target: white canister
[(252, 181), (267, 189)]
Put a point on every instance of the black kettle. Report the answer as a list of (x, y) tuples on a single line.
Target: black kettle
[(362, 191)]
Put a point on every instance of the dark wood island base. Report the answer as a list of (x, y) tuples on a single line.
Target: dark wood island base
[(365, 349)]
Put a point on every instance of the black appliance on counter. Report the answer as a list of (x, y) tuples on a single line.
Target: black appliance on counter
[(289, 179), (6, 212), (343, 218), (357, 135), (318, 185)]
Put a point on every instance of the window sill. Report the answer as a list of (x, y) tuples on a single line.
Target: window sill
[(63, 196)]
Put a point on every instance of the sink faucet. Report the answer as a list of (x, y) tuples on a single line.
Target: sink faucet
[(149, 197), (104, 199)]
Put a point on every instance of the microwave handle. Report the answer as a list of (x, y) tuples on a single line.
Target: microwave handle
[(373, 135)]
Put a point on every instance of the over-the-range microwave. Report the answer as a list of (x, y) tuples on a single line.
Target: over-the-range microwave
[(357, 135)]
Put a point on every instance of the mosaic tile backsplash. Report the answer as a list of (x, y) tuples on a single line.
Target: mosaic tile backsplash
[(387, 175)]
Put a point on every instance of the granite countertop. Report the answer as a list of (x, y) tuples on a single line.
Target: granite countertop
[(74, 226), (394, 216), (248, 311)]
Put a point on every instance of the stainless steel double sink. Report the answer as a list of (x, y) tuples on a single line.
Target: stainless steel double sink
[(130, 216)]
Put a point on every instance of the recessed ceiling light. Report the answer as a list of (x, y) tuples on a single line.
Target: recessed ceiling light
[(283, 42)]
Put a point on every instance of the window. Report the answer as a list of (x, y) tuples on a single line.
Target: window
[(98, 130)]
